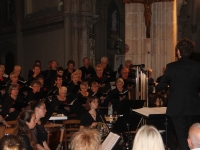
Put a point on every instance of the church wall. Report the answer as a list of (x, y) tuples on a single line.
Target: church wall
[(43, 46)]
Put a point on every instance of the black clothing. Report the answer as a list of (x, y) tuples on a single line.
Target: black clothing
[(34, 96), (183, 79), (87, 119), (59, 106), (67, 75), (115, 98), (87, 72), (102, 80), (40, 134), (26, 142), (9, 102)]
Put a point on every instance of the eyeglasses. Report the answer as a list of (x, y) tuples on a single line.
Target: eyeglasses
[(44, 109)]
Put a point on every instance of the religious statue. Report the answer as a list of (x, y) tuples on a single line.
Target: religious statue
[(147, 15), (114, 20)]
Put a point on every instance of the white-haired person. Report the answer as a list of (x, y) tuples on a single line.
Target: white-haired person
[(148, 138), (86, 139), (194, 137)]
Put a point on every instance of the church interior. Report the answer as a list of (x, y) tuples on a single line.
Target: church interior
[(145, 32)]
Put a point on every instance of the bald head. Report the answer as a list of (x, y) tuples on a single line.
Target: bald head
[(194, 136)]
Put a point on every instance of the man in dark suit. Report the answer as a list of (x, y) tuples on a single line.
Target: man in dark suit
[(183, 78)]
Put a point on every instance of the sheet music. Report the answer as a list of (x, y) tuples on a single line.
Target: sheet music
[(110, 141), (146, 111)]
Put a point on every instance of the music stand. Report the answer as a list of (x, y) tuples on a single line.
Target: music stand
[(155, 116), (127, 116), (127, 106)]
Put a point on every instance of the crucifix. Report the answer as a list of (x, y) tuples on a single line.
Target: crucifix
[(147, 11)]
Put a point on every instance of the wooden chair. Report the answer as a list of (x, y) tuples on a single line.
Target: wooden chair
[(2, 131), (71, 126), (12, 123), (52, 128)]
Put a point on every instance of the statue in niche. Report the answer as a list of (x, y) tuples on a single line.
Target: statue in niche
[(87, 5), (114, 20)]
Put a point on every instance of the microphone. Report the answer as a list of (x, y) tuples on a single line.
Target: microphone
[(5, 117)]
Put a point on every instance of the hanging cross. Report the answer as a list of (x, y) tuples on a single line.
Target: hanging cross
[(147, 11)]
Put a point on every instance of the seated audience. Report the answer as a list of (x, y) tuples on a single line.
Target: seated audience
[(148, 138), (86, 139), (25, 123), (194, 137), (39, 131), (11, 142)]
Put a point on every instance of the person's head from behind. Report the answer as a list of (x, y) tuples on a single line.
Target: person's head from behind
[(86, 139), (185, 48), (148, 138), (11, 142), (194, 136)]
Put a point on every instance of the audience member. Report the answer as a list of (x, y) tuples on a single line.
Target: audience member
[(194, 137), (11, 142), (86, 139), (148, 138)]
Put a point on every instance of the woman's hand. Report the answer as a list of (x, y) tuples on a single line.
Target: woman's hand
[(94, 124)]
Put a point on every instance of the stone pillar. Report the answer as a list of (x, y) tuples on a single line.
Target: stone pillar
[(67, 32), (164, 35), (75, 41), (19, 40)]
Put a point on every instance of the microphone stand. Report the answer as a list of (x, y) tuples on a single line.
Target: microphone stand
[(128, 144)]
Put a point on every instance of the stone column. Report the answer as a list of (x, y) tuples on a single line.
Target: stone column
[(19, 41), (67, 32), (75, 41)]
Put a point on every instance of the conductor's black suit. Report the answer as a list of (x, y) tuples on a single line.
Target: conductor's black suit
[(183, 78)]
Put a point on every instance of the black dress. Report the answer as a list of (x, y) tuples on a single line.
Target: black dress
[(87, 119)]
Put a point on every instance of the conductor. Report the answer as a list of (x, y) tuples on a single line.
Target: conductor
[(183, 78)]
